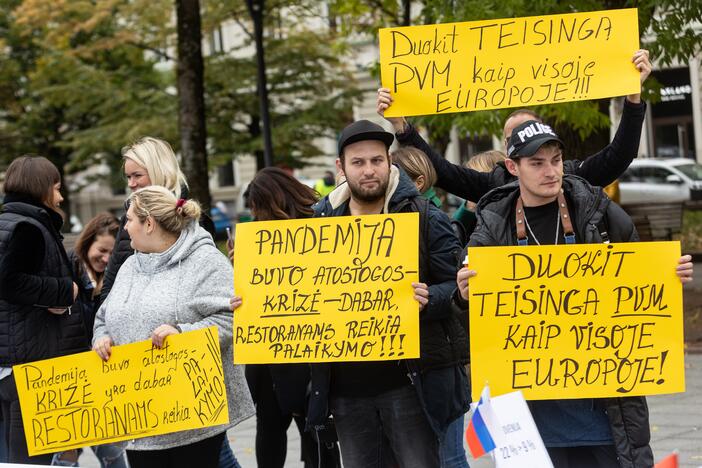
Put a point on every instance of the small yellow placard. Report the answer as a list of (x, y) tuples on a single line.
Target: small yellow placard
[(512, 62), (327, 289), (577, 321), (79, 400)]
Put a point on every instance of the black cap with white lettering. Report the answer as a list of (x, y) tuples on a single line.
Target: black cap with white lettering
[(528, 137)]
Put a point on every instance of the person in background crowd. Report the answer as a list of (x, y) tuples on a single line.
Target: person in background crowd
[(544, 207), (464, 219), (89, 260), (280, 391), (149, 161), (600, 169), (177, 281), (37, 287), (418, 167), (326, 184)]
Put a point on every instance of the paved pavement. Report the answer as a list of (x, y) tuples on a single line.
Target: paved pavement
[(676, 423)]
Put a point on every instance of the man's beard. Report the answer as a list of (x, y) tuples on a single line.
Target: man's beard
[(368, 196)]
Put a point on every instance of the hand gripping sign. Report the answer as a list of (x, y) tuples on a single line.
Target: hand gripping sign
[(511, 62), (577, 321), (327, 289), (142, 391)]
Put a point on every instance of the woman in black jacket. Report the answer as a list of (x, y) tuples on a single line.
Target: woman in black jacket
[(149, 161), (280, 390), (37, 288)]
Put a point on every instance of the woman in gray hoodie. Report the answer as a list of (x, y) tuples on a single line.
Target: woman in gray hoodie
[(177, 281)]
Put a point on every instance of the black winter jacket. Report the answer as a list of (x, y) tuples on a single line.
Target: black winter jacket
[(123, 248), (600, 169), (438, 376), (35, 274), (592, 212), (85, 302)]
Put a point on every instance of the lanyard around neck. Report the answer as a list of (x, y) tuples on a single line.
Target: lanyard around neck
[(568, 233)]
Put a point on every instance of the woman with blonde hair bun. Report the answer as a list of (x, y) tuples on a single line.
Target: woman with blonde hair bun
[(147, 162), (176, 281)]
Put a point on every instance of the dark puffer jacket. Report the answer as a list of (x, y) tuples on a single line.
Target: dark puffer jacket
[(591, 212), (438, 376), (35, 274)]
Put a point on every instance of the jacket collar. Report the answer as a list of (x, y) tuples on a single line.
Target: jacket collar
[(28, 206), (400, 187), (585, 201)]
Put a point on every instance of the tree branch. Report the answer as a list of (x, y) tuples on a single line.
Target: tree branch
[(160, 53)]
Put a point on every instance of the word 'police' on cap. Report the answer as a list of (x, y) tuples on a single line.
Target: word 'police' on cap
[(528, 137)]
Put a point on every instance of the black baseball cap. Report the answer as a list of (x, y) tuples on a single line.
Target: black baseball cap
[(362, 130), (528, 137)]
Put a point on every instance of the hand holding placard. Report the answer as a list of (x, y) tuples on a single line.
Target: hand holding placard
[(140, 391), (511, 62)]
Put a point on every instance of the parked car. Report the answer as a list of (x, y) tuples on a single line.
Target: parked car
[(659, 180), (221, 222)]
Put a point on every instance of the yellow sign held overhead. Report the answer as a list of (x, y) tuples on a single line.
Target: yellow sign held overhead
[(79, 400), (512, 62), (577, 321), (327, 289)]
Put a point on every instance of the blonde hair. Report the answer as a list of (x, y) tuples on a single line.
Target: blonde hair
[(159, 160), (160, 203), (415, 163), (485, 161)]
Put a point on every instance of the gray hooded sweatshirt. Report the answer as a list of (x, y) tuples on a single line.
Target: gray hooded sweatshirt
[(189, 286)]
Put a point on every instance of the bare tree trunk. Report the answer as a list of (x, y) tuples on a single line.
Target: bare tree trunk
[(256, 10), (191, 100)]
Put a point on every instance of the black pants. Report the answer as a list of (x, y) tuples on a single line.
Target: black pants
[(271, 431), (595, 456), (14, 430), (202, 454)]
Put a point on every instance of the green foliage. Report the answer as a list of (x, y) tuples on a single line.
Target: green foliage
[(310, 89), (668, 27), (77, 86)]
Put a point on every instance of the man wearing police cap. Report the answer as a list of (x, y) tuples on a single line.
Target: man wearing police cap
[(544, 207)]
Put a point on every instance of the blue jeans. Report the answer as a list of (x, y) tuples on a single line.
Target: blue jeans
[(396, 416), (226, 456), (110, 456), (453, 455)]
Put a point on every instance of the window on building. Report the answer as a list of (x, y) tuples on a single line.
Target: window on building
[(225, 174), (217, 40)]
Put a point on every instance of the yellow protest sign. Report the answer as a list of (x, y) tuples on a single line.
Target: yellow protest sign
[(327, 289), (79, 400), (577, 321), (512, 62)]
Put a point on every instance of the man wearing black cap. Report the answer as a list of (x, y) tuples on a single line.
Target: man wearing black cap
[(397, 410), (545, 207)]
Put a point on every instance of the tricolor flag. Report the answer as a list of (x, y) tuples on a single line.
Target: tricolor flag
[(478, 435)]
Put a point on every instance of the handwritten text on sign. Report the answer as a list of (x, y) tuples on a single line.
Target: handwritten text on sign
[(80, 400), (514, 62), (327, 289), (579, 321)]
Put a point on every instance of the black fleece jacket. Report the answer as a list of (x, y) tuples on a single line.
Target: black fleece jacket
[(600, 169)]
